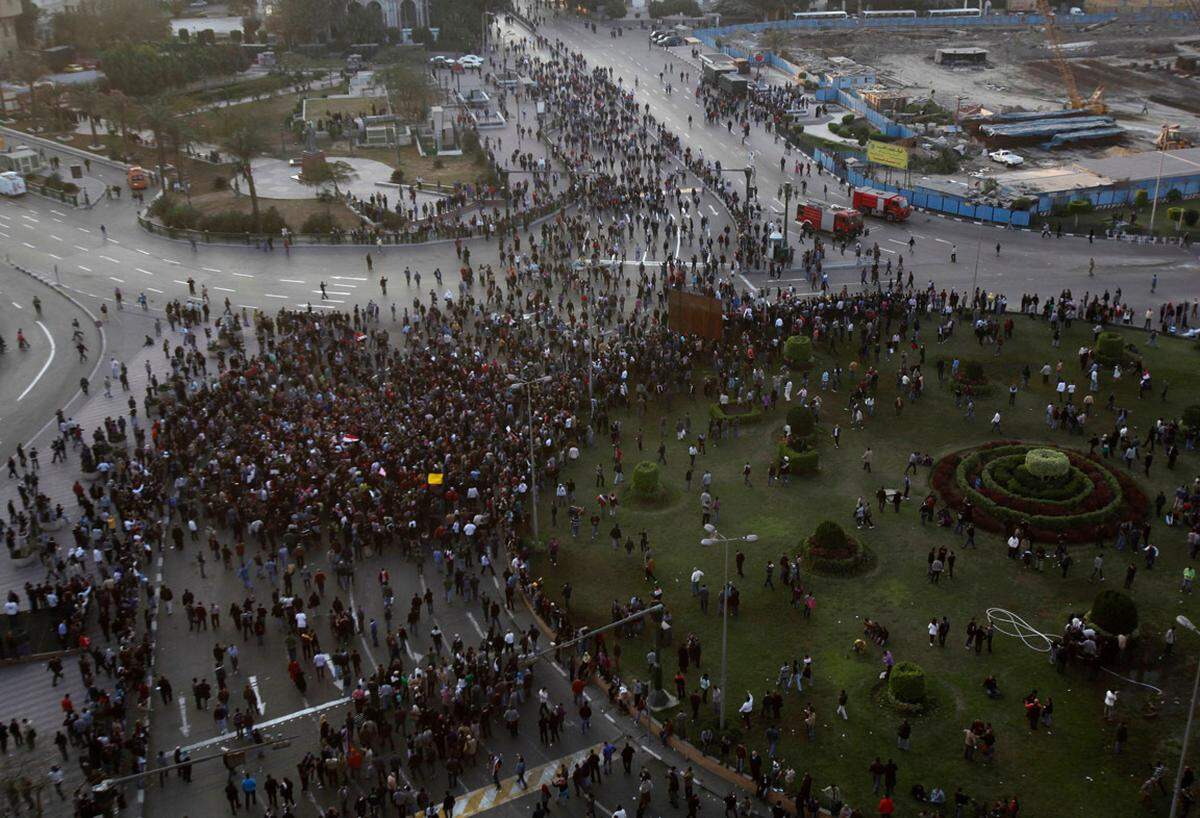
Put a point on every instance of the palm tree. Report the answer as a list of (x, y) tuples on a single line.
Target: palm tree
[(88, 100), (120, 111), (240, 137), (159, 117)]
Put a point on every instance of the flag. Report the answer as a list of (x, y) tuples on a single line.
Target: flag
[(435, 478), (349, 439)]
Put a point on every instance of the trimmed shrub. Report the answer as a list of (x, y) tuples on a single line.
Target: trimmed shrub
[(1110, 348), (646, 479), (831, 538), (907, 683), (1047, 463), (798, 351), (741, 412), (1114, 611), (318, 223), (802, 463), (801, 421)]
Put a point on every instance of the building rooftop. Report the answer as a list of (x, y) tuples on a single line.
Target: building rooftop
[(1142, 166)]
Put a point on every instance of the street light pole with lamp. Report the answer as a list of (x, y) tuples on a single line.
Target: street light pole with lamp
[(515, 383), (715, 538), (1184, 622)]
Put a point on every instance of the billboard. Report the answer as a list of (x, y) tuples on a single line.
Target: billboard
[(692, 313), (883, 153)]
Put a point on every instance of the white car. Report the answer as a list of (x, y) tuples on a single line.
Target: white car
[(1006, 157), (438, 61), (470, 61)]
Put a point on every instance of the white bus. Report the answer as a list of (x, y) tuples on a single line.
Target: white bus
[(963, 12), (888, 14), (819, 15)]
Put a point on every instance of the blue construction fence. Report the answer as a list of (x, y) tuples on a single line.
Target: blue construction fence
[(925, 198), (848, 99), (1102, 197)]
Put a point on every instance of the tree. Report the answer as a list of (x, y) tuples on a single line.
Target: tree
[(1077, 206), (615, 9), (120, 111), (95, 25), (27, 69), (409, 90), (1141, 198), (239, 136), (336, 173), (303, 21), (159, 117), (88, 100), (27, 25)]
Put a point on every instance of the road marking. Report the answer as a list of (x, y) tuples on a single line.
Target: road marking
[(320, 306), (211, 269), (291, 281), (943, 241), (143, 252), (45, 366), (490, 796), (299, 714), (143, 270), (56, 238), (184, 727), (897, 241), (273, 295), (171, 261), (30, 218), (225, 289), (30, 246), (118, 280), (5, 235), (53, 256), (478, 629), (243, 275), (114, 241), (349, 278), (85, 269), (79, 247), (177, 281), (649, 751), (84, 229), (110, 258), (262, 705), (18, 306), (57, 213), (151, 289), (753, 289)]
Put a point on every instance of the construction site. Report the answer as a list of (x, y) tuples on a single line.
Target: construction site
[(1028, 106)]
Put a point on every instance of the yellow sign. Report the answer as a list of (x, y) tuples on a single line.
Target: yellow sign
[(435, 478), (882, 153)]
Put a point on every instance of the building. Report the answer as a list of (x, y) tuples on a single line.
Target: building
[(885, 100), (10, 10), (960, 56)]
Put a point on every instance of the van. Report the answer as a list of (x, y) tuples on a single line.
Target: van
[(137, 178), (11, 184)]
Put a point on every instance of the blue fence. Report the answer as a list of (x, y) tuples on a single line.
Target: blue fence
[(1113, 196), (857, 104), (927, 199)]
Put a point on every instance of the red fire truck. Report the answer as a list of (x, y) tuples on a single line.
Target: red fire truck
[(881, 204), (843, 222)]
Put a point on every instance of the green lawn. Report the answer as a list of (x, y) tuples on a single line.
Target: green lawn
[(1070, 764)]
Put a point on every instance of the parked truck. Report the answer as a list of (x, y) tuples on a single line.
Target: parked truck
[(733, 85), (842, 222), (882, 205), (714, 65), (11, 183)]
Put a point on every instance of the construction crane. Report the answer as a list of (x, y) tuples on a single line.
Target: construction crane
[(1074, 100)]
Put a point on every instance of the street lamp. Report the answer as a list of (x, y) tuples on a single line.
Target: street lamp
[(715, 538), (1164, 139), (516, 383), (1184, 622), (591, 347)]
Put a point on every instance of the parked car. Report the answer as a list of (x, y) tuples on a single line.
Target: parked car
[(672, 41), (470, 61), (1006, 157), (438, 61)]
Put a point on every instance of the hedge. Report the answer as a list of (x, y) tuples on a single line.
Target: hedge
[(801, 421), (831, 538), (907, 683), (646, 480), (798, 351), (830, 550), (805, 462), (1114, 611), (1110, 348), (1047, 463)]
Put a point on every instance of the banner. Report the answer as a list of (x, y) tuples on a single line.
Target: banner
[(883, 153)]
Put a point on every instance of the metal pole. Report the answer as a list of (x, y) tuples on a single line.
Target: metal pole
[(725, 634), (533, 657), (532, 461), (1187, 735), (1162, 155)]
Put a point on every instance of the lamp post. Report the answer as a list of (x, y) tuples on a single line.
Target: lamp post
[(591, 345), (1164, 139), (1184, 622), (715, 538), (528, 387)]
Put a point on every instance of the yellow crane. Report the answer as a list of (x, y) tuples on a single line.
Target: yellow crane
[(1077, 103)]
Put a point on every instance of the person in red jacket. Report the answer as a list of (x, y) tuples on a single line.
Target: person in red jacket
[(886, 807)]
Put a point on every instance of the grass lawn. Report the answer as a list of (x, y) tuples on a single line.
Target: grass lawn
[(321, 107), (453, 168), (294, 211), (1054, 771)]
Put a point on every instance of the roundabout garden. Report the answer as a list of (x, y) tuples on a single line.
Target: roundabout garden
[(1051, 493)]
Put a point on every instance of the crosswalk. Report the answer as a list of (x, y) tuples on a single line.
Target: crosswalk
[(489, 797)]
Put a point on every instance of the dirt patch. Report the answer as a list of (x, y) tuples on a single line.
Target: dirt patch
[(322, 108), (454, 168), (293, 211)]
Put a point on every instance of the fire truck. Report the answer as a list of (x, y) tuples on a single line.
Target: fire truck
[(843, 222), (881, 204)]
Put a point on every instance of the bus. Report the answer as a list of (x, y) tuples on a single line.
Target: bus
[(962, 12), (888, 14), (819, 15)]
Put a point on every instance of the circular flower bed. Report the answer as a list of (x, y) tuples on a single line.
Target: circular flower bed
[(1049, 492)]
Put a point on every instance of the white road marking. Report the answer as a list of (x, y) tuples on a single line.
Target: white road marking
[(118, 280), (211, 269), (291, 281), (53, 256), (144, 271), (243, 275), (153, 290), (18, 306), (943, 241), (753, 289), (184, 727), (478, 629), (262, 705), (320, 306), (897, 241), (79, 247), (85, 269), (57, 213), (225, 289), (5, 235), (143, 252), (349, 278), (30, 246), (56, 238), (171, 261), (84, 229), (177, 281), (45, 366), (110, 258), (30, 218), (273, 295)]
